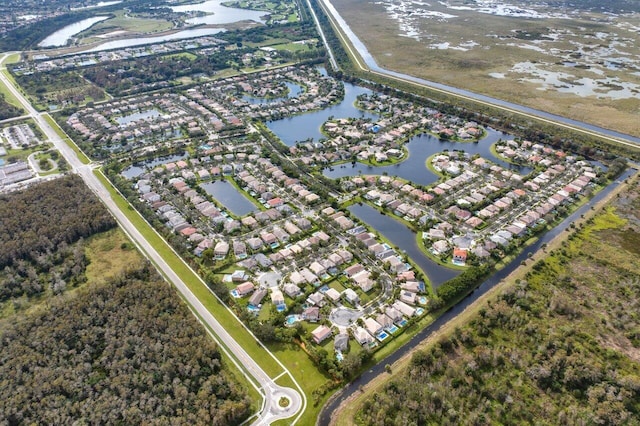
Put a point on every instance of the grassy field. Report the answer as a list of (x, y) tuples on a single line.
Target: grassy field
[(598, 261), (8, 96), (123, 22), (479, 52), (109, 254)]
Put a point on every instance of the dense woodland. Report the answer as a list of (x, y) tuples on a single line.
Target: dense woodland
[(37, 220), (561, 347), (7, 110), (124, 350)]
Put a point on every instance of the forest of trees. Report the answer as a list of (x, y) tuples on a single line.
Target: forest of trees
[(7, 110), (124, 350), (37, 220), (560, 347)]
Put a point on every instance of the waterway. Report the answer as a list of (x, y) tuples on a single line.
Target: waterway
[(302, 127), (139, 168), (294, 90), (97, 5), (374, 67), (63, 35), (379, 368), (419, 149), (227, 195), (218, 14), (405, 239), (129, 42)]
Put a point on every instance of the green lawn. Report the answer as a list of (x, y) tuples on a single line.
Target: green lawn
[(8, 96)]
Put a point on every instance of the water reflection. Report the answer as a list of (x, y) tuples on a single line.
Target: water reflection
[(227, 195), (137, 169), (405, 240)]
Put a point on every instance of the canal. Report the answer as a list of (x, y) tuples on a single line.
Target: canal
[(405, 239), (379, 368)]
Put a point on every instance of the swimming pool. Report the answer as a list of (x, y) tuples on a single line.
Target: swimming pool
[(422, 300), (381, 336), (392, 329), (419, 311), (281, 308), (402, 322), (234, 293), (291, 319), (339, 356)]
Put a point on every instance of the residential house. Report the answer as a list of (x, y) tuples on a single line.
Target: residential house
[(277, 298), (245, 288), (221, 249), (311, 314), (361, 336), (393, 313), (405, 309), (332, 294), (341, 342), (291, 290), (316, 299), (320, 334), (372, 326), (351, 296), (257, 296), (384, 321), (459, 256)]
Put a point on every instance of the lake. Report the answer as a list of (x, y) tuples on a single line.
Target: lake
[(137, 169), (301, 127), (420, 148), (62, 36), (218, 14), (129, 42), (403, 238), (294, 91), (142, 115), (227, 195)]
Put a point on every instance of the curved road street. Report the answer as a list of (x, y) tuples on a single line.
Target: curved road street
[(271, 410)]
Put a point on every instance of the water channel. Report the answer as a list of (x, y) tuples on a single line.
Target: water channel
[(129, 42), (405, 239), (227, 195), (218, 14), (379, 368), (139, 168), (63, 35)]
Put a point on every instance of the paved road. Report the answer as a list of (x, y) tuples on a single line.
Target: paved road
[(366, 62), (271, 410)]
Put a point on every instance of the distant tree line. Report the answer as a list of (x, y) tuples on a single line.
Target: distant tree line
[(28, 36)]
